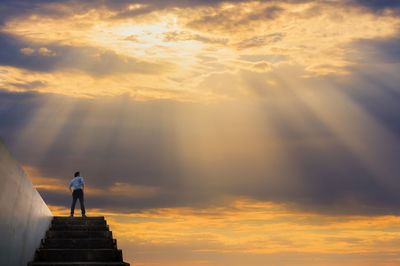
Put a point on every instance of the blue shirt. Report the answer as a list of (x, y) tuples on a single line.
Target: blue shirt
[(77, 183)]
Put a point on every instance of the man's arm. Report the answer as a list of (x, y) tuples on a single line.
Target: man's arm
[(70, 185), (83, 183)]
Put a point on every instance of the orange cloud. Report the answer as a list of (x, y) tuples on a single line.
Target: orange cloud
[(27, 51), (46, 52), (252, 228), (118, 189), (312, 35)]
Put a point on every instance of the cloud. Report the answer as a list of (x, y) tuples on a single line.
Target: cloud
[(232, 132), (27, 51), (27, 85), (134, 8), (272, 58), (248, 232), (381, 50), (96, 62), (131, 191), (260, 40), (175, 34), (184, 154), (379, 5), (42, 51), (286, 119), (120, 9), (46, 52)]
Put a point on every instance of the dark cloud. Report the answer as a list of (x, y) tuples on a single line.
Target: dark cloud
[(377, 7), (196, 154), (21, 53), (11, 8), (378, 65), (268, 13), (28, 85), (378, 4), (115, 203), (127, 141), (16, 110), (383, 50), (232, 20)]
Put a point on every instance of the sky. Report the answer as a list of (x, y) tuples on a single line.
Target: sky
[(213, 132)]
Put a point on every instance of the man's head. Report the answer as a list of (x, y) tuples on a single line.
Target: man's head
[(76, 174)]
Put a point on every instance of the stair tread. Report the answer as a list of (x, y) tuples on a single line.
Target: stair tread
[(79, 228), (57, 217), (82, 249), (78, 234), (79, 231), (66, 218), (80, 262), (79, 241)]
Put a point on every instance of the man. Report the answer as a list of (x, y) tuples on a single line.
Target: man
[(78, 184)]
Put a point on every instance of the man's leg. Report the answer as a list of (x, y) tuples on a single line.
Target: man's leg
[(81, 202), (74, 198)]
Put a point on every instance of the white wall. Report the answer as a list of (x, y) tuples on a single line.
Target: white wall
[(24, 217)]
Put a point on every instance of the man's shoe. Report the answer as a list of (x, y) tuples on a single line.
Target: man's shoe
[(71, 215), (84, 216)]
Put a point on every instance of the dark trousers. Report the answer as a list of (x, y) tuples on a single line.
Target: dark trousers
[(77, 194)]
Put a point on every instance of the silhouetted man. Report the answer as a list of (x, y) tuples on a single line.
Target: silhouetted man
[(78, 184)]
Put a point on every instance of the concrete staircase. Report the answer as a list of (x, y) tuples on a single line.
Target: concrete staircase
[(80, 242)]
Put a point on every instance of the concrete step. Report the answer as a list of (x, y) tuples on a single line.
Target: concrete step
[(78, 227), (78, 234), (79, 222), (78, 243), (77, 218), (81, 263), (74, 255)]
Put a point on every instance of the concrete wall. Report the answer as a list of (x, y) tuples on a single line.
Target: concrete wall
[(24, 217)]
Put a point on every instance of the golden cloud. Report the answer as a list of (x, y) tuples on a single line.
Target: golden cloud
[(251, 227), (46, 52), (118, 189), (27, 51), (312, 35)]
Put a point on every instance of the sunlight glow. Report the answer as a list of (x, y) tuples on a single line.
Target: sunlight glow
[(217, 133), (249, 227), (181, 38)]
